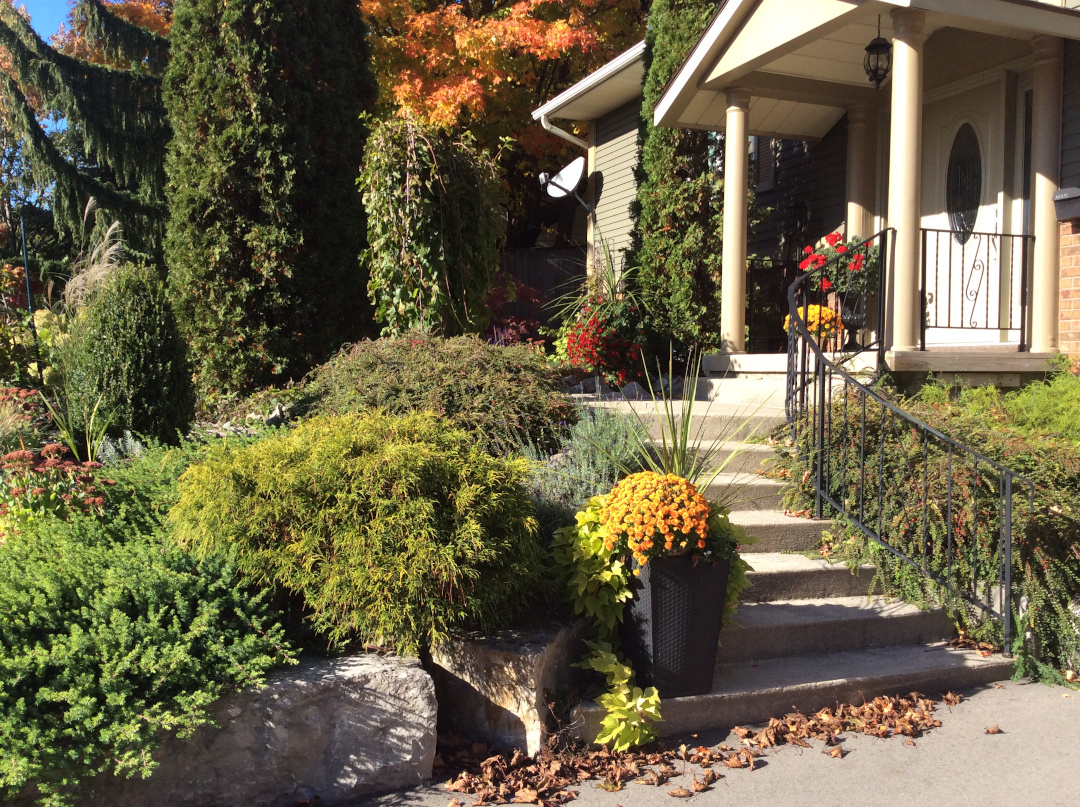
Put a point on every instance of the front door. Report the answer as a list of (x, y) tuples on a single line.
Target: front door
[(971, 271)]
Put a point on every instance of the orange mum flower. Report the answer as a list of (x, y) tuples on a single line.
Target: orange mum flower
[(648, 510)]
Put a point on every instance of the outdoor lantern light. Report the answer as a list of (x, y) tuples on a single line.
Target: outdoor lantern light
[(878, 59)]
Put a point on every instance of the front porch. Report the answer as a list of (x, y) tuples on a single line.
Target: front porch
[(958, 153)]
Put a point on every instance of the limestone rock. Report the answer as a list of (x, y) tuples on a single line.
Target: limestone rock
[(328, 728), (491, 687)]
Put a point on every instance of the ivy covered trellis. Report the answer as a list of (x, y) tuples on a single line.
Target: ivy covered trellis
[(116, 108)]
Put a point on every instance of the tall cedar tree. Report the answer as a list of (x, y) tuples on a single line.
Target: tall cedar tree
[(678, 212), (266, 225), (116, 111)]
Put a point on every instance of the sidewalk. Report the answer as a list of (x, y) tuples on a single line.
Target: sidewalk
[(1034, 761)]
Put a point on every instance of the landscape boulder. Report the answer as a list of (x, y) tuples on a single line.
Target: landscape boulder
[(330, 729)]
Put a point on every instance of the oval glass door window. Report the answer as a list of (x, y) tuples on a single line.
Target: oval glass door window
[(963, 185)]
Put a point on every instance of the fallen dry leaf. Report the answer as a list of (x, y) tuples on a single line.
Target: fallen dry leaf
[(999, 686), (909, 742), (547, 778), (680, 793), (455, 803), (994, 730), (649, 778)]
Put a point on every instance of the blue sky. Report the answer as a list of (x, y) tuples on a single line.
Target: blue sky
[(46, 15)]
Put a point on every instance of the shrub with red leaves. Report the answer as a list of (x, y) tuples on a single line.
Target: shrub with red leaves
[(37, 484)]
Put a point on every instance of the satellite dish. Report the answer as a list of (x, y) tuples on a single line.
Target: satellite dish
[(565, 182)]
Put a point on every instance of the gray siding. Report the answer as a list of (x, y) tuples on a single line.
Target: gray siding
[(614, 183), (1070, 118), (809, 196)]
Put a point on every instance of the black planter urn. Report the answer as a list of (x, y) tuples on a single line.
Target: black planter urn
[(853, 315), (671, 629)]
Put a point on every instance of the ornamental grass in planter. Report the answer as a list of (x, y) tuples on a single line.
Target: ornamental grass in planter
[(655, 566)]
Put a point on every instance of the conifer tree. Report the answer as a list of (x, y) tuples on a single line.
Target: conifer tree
[(117, 112), (678, 212), (266, 224)]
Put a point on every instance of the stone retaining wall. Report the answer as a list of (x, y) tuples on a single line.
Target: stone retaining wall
[(330, 729)]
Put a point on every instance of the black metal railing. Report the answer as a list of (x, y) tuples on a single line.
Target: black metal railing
[(937, 505), (979, 282)]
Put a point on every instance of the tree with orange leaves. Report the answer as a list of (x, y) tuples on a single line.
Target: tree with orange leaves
[(484, 64)]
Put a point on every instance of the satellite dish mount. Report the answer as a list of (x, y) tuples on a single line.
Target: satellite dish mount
[(565, 182)]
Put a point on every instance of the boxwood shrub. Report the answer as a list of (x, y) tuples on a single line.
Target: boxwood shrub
[(504, 396), (125, 355), (393, 530)]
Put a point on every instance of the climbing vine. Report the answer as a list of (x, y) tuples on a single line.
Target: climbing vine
[(434, 228)]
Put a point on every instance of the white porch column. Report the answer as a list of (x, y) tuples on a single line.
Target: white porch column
[(736, 188), (861, 172), (1046, 170), (905, 175)]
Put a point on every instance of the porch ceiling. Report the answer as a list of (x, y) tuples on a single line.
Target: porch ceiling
[(803, 61)]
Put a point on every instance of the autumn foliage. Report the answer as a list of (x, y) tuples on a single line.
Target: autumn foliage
[(451, 63)]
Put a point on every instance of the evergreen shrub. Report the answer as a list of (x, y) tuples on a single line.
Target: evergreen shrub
[(394, 531), (503, 396), (111, 637), (678, 213), (266, 226), (124, 354)]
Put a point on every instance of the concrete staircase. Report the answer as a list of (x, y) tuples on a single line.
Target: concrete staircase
[(809, 633)]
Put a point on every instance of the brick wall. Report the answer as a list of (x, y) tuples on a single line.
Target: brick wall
[(1069, 328)]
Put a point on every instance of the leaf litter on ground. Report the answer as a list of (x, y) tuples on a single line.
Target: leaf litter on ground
[(554, 774)]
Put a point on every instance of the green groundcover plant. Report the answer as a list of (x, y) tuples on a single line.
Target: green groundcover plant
[(111, 637), (1029, 432), (393, 530)]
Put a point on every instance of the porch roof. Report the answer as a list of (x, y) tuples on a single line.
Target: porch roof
[(616, 83), (802, 61)]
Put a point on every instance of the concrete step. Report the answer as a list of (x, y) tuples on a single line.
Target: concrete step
[(711, 419), (754, 692), (779, 576), (745, 491), (745, 458), (775, 532), (767, 630)]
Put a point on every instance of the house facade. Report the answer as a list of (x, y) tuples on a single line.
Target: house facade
[(959, 154)]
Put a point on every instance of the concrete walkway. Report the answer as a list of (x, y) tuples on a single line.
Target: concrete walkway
[(1034, 761)]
